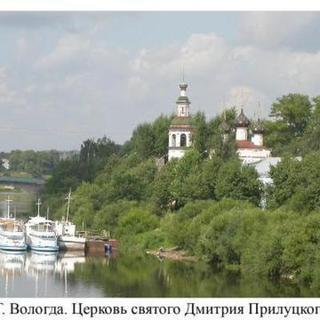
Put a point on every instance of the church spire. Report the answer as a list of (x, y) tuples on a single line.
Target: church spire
[(183, 102)]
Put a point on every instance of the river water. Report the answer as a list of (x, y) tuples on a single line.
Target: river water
[(51, 275)]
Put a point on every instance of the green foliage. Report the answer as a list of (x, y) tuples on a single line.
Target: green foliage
[(194, 178), (65, 176), (137, 221), (70, 173), (277, 136), (150, 139), (107, 218), (36, 163), (216, 144), (239, 182), (294, 110), (310, 141), (200, 138), (207, 202), (296, 183)]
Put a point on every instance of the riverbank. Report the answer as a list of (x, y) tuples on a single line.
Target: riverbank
[(174, 253)]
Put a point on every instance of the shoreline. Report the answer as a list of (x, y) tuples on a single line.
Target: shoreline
[(174, 253)]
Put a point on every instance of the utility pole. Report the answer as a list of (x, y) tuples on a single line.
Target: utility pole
[(68, 205), (8, 207)]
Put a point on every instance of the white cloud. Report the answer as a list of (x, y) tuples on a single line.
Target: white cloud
[(273, 29), (8, 96), (80, 85), (69, 46)]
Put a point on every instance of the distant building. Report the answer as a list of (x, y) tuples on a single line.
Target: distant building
[(181, 133), (254, 150), (180, 130), (5, 163), (263, 169)]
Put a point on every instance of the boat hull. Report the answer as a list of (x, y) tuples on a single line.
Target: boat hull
[(41, 235), (12, 236), (44, 248), (70, 243), (37, 243), (11, 241), (13, 247)]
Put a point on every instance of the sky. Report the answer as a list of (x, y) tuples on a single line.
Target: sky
[(66, 77)]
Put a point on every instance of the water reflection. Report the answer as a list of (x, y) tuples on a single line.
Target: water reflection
[(32, 274)]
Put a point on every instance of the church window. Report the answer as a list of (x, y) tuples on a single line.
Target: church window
[(183, 140), (174, 140)]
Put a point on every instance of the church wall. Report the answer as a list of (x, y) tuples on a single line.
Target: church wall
[(253, 155), (241, 133), (176, 153), (257, 139)]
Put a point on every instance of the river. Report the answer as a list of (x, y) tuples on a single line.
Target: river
[(51, 275)]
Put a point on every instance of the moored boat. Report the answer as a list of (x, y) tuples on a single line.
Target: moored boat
[(40, 233), (12, 234), (68, 239)]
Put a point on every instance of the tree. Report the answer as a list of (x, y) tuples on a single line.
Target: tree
[(294, 110), (71, 172), (310, 141), (224, 149), (239, 182), (296, 183), (143, 140), (160, 129), (200, 138)]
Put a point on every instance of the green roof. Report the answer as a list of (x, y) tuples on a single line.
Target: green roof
[(178, 121), (183, 99)]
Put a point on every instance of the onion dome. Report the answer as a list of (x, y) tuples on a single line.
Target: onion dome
[(258, 127), (242, 120), (183, 86), (183, 99)]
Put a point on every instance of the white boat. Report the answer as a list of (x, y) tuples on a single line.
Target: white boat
[(12, 234), (66, 231), (41, 234)]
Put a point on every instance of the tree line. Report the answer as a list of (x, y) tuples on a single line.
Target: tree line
[(207, 202)]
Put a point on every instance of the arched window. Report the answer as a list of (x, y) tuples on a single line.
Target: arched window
[(174, 140), (183, 140)]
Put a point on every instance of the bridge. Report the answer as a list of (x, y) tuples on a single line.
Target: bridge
[(27, 183)]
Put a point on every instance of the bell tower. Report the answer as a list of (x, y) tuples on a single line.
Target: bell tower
[(180, 131)]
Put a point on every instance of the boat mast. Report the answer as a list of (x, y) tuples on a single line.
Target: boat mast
[(39, 204), (68, 205), (8, 206), (47, 218)]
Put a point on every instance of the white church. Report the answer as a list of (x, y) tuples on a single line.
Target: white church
[(250, 151), (254, 150), (180, 131)]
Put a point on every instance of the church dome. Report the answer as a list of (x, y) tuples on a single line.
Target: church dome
[(183, 86), (258, 127), (242, 120)]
